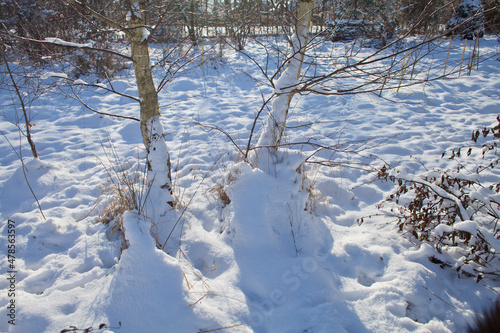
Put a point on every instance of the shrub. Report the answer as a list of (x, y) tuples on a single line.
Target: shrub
[(38, 20), (468, 20), (492, 16), (456, 211)]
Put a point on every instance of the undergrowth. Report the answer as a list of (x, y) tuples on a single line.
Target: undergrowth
[(455, 211), (126, 188)]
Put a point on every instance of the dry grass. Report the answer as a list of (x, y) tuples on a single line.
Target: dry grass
[(219, 190), (126, 188)]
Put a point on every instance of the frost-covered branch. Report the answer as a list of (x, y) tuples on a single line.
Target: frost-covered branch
[(464, 215)]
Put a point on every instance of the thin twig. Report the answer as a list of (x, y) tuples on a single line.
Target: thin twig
[(66, 45), (23, 166), (23, 106), (76, 97), (222, 328), (433, 293), (189, 203)]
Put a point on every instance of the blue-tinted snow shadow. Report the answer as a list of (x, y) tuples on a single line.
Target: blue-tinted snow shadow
[(282, 253)]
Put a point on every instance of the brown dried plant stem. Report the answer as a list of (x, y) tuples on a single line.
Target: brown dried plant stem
[(447, 58), (463, 55), (471, 63)]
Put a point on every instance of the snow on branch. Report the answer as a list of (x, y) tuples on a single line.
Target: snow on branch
[(61, 42), (46, 75)]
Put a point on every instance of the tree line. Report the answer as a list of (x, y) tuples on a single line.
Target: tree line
[(227, 18)]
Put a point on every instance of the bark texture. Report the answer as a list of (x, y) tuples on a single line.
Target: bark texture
[(151, 128), (158, 158), (284, 88), (137, 36)]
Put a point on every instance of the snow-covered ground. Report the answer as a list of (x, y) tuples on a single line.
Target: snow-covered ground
[(285, 255)]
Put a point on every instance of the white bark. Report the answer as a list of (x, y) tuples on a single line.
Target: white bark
[(159, 176), (284, 88)]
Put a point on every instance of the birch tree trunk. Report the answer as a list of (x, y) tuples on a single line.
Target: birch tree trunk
[(153, 135), (274, 126), (151, 128)]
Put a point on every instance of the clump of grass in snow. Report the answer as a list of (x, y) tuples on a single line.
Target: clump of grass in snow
[(126, 188)]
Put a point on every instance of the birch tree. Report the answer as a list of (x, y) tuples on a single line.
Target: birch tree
[(284, 89), (136, 30), (395, 65)]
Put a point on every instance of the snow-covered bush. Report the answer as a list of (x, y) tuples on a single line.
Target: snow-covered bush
[(377, 33), (468, 20), (37, 20), (457, 212)]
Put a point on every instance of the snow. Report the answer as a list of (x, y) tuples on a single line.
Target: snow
[(158, 158), (65, 43), (284, 255), (482, 194), (145, 34), (468, 226), (46, 75), (80, 81), (441, 229)]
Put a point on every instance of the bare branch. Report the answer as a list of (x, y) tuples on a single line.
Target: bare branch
[(112, 90), (77, 98), (62, 44), (23, 107), (23, 166), (96, 15)]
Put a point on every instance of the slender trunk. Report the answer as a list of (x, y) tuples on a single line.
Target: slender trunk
[(284, 88), (153, 135), (145, 85), (27, 123), (151, 127), (192, 23)]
